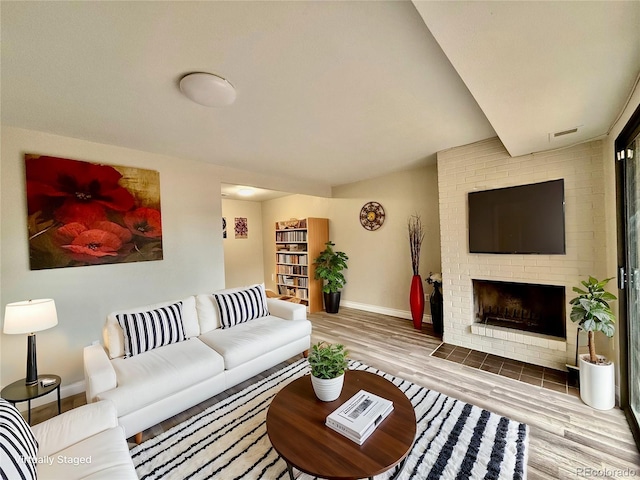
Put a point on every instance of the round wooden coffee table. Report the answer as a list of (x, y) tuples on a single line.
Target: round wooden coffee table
[(296, 428)]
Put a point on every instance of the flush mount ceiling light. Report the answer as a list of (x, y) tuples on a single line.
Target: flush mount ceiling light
[(208, 89), (245, 192)]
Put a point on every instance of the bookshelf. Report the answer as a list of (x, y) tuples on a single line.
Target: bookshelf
[(298, 244)]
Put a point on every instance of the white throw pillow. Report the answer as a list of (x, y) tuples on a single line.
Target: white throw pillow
[(207, 308)]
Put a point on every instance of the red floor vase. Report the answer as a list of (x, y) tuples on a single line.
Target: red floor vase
[(416, 300)]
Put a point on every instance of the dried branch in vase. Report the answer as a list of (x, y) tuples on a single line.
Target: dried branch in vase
[(416, 236)]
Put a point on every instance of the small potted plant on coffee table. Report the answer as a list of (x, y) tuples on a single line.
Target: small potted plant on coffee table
[(328, 363), (592, 312)]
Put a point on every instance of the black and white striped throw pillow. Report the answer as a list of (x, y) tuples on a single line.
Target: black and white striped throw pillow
[(145, 331), (18, 445), (242, 306)]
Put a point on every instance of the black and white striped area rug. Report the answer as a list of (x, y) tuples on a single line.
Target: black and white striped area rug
[(454, 440)]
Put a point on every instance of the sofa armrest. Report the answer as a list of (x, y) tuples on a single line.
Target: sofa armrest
[(99, 374), (73, 426), (287, 310)]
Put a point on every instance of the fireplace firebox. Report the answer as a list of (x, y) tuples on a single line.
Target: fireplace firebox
[(521, 306)]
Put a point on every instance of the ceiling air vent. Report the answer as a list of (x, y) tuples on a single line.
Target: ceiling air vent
[(563, 133)]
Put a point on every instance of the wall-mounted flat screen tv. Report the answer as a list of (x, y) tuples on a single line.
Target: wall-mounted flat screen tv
[(527, 219)]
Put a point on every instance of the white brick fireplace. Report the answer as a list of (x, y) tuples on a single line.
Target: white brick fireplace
[(487, 165)]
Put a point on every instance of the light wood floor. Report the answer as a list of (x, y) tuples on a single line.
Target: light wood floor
[(567, 438)]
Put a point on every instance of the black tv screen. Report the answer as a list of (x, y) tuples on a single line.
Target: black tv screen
[(526, 219)]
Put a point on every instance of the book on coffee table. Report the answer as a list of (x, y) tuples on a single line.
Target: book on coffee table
[(359, 416)]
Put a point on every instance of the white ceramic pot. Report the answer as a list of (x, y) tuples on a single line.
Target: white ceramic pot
[(597, 384), (327, 390)]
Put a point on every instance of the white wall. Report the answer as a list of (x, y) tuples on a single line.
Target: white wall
[(379, 273), (194, 254), (486, 165), (380, 261), (243, 259), (192, 240)]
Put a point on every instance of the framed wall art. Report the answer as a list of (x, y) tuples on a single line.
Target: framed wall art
[(81, 213), (241, 228)]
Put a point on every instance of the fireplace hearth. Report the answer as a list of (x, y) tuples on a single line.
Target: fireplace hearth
[(521, 306)]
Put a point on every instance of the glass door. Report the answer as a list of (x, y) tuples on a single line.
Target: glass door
[(632, 214), (632, 271), (628, 186)]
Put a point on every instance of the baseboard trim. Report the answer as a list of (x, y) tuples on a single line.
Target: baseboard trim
[(392, 312), (72, 389)]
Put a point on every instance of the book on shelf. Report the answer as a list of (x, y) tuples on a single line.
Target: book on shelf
[(359, 416)]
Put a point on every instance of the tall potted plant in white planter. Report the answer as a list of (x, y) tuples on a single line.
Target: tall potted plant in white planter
[(592, 311), (328, 363)]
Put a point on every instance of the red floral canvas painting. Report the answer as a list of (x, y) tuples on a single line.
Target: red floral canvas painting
[(82, 213)]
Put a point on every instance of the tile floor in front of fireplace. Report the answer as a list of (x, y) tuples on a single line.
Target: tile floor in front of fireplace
[(525, 372)]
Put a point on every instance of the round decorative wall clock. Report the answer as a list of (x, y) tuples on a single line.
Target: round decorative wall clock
[(372, 216)]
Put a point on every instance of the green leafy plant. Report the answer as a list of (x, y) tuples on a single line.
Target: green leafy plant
[(592, 311), (328, 360), (329, 266)]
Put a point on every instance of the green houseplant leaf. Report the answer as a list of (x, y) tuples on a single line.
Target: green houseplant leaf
[(327, 360), (329, 266), (591, 310)]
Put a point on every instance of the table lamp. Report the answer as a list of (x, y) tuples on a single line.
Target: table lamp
[(28, 317)]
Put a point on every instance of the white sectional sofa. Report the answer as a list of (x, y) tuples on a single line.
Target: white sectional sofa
[(83, 443), (216, 354)]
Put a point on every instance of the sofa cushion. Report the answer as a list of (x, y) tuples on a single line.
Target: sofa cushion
[(101, 456), (207, 309), (18, 448), (145, 331), (161, 372), (239, 307), (247, 341), (114, 336), (74, 426)]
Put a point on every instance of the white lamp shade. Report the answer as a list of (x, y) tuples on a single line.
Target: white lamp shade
[(208, 89), (30, 316)]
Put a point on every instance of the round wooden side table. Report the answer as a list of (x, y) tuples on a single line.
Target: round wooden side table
[(20, 392)]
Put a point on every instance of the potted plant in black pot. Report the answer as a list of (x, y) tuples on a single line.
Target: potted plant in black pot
[(329, 266), (328, 363), (592, 311)]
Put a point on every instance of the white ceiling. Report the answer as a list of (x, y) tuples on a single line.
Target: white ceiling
[(332, 92), (537, 68)]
